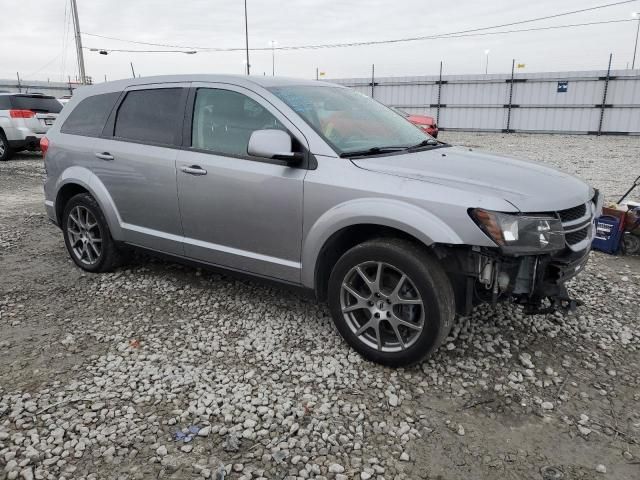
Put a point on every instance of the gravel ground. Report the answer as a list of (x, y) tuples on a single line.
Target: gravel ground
[(164, 371)]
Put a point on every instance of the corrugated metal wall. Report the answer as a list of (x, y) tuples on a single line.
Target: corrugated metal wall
[(56, 89), (481, 102)]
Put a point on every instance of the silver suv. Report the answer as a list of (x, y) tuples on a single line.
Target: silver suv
[(317, 186), (24, 119)]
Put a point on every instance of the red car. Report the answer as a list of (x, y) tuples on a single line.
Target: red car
[(426, 123)]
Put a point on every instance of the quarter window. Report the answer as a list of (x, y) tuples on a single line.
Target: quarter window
[(89, 117), (223, 121), (150, 116)]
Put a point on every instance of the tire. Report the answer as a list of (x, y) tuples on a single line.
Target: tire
[(630, 244), (424, 301), (86, 251), (5, 150)]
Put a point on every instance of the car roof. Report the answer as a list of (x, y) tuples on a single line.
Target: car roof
[(240, 80)]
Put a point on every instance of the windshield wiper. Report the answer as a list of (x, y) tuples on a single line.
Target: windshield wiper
[(429, 142), (372, 151)]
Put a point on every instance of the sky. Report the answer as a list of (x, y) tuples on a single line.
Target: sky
[(40, 44)]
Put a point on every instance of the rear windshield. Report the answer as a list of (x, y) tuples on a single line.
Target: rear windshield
[(36, 103)]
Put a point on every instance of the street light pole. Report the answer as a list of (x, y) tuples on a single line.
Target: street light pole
[(635, 47), (246, 36), (486, 64), (273, 43), (76, 27)]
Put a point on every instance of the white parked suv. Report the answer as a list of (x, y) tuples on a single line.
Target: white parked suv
[(24, 119)]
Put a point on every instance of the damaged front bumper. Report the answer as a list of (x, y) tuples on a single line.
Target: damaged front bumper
[(486, 275), (540, 280)]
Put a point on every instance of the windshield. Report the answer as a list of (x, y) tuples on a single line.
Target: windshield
[(350, 121), (36, 103)]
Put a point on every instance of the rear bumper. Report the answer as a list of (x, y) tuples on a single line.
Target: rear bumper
[(31, 142)]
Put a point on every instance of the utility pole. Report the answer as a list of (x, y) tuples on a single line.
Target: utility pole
[(273, 57), (635, 48), (373, 80), (246, 36), (76, 26), (133, 72)]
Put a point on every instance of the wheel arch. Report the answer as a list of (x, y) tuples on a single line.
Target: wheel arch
[(345, 239), (349, 224), (78, 179)]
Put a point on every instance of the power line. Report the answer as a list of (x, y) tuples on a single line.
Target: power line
[(371, 42), (31, 75), (433, 37), (108, 50)]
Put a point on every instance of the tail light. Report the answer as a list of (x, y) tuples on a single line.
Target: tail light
[(44, 146), (21, 114)]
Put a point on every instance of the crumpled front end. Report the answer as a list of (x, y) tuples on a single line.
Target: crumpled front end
[(535, 280)]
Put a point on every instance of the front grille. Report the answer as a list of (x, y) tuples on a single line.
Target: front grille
[(576, 222), (571, 214), (576, 237)]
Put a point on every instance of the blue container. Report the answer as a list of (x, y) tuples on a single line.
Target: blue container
[(608, 234)]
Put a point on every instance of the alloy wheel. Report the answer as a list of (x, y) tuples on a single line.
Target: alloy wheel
[(85, 237), (3, 147), (382, 306)]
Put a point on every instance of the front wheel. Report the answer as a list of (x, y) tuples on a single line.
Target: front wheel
[(391, 301)]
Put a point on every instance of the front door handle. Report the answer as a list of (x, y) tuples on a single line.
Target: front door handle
[(104, 156), (194, 170)]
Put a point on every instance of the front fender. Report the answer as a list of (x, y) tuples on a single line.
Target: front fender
[(88, 180), (397, 214)]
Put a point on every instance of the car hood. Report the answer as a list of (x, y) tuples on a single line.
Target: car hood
[(529, 186)]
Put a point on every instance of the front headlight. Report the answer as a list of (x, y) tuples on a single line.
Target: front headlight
[(520, 234)]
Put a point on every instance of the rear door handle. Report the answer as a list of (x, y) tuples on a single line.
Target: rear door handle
[(104, 156), (194, 170)]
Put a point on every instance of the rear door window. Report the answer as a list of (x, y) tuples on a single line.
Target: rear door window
[(89, 117), (5, 102), (36, 103), (151, 116)]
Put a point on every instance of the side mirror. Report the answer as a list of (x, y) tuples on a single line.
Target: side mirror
[(274, 144)]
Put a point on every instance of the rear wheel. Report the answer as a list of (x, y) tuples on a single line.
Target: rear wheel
[(5, 149), (631, 244), (87, 236), (391, 301)]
